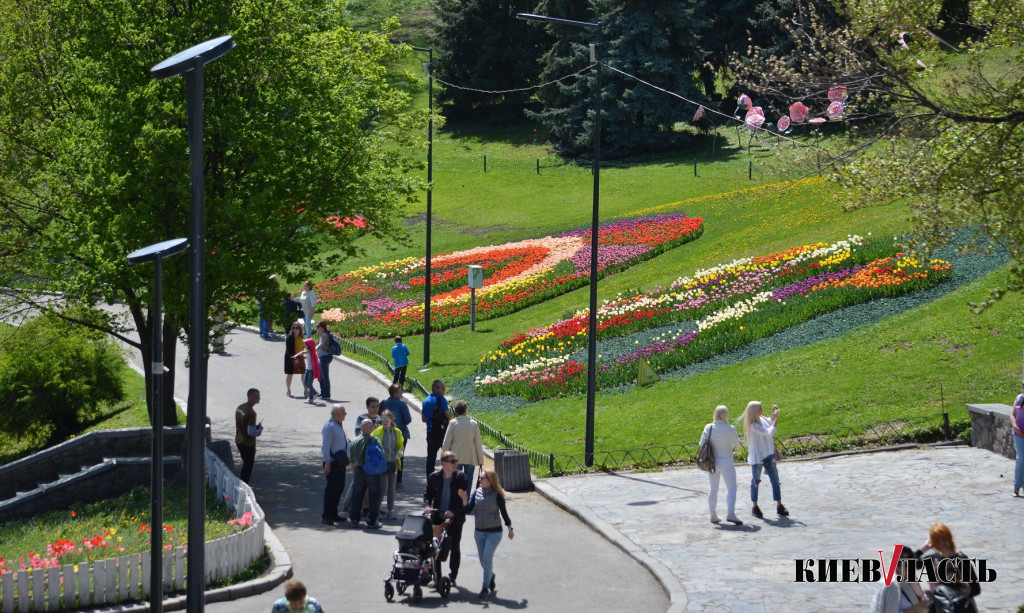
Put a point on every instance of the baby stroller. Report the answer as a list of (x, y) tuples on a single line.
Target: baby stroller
[(421, 550)]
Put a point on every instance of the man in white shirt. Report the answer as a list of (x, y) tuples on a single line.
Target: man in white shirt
[(334, 450)]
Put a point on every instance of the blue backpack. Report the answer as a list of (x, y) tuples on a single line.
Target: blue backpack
[(374, 462)]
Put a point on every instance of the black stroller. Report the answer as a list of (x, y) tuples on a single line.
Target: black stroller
[(421, 550)]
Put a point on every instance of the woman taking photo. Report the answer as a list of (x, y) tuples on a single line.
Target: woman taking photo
[(488, 507), (393, 444), (760, 433), (723, 438)]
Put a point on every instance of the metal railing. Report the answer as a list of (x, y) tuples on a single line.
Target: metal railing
[(927, 428), (366, 352)]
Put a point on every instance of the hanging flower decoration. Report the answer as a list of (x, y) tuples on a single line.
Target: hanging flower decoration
[(699, 114), (743, 102), (798, 112), (783, 123), (835, 110), (754, 118), (838, 94)]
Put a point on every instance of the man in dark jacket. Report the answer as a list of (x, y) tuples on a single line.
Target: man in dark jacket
[(445, 490)]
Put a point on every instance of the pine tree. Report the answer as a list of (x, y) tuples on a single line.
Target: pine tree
[(481, 45)]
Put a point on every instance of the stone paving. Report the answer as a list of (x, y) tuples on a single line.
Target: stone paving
[(842, 507)]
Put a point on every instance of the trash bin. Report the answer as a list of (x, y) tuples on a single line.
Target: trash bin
[(513, 468)]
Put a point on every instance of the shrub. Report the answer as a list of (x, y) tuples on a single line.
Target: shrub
[(54, 374)]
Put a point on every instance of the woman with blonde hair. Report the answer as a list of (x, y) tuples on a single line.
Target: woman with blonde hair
[(488, 507), (723, 438), (760, 433)]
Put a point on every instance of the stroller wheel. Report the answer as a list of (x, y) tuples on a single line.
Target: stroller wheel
[(444, 587), (401, 587), (389, 591), (417, 594)]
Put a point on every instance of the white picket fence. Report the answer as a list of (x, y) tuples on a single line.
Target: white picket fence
[(127, 578)]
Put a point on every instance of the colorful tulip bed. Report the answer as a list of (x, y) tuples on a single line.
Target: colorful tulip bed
[(716, 310), (387, 299)]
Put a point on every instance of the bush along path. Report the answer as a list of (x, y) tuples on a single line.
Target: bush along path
[(387, 299), (731, 313)]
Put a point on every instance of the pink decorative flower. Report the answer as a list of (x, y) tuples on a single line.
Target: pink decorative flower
[(838, 94), (783, 123), (798, 112), (754, 118), (816, 120), (743, 102), (699, 114), (835, 110)]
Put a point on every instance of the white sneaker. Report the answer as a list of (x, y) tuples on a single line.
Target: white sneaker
[(716, 519)]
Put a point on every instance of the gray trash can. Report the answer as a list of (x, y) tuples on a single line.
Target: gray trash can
[(513, 468)]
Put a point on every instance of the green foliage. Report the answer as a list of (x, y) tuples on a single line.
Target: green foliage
[(54, 375), (481, 45)]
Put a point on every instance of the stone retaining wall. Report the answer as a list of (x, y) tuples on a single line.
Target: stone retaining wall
[(991, 428)]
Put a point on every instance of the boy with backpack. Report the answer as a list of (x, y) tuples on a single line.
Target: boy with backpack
[(368, 464)]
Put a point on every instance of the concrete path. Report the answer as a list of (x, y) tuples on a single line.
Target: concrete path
[(843, 507), (555, 563)]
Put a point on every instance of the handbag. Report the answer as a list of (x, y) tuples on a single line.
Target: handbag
[(706, 455), (299, 365)]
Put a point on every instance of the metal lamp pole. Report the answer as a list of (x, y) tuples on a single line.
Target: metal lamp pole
[(190, 62), (430, 182), (156, 253), (592, 319)]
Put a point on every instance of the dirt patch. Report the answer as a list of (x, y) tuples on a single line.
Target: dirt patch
[(895, 347)]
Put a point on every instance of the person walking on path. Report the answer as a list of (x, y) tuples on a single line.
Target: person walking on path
[(1017, 418), (266, 319), (294, 358), (308, 300), (296, 600), (400, 356), (488, 507), (446, 489), (312, 370), (247, 429), (723, 438), (361, 482), (393, 444), (334, 449), (463, 439), (324, 357), (372, 414), (760, 433), (403, 418), (434, 412)]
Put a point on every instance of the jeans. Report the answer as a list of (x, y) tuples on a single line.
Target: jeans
[(486, 544), (360, 484), (399, 377), (264, 327), (248, 455), (433, 447), (325, 379), (1018, 472), (724, 468), (332, 492), (468, 469), (307, 382), (307, 319), (388, 481), (769, 466)]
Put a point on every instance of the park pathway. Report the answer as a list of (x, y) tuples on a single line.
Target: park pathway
[(848, 506), (555, 563)]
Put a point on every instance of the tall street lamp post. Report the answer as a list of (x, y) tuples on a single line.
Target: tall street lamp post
[(592, 319), (190, 62), (430, 189), (156, 253)]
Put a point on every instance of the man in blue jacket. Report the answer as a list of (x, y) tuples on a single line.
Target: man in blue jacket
[(436, 415), (400, 356)]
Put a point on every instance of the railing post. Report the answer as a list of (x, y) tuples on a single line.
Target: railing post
[(538, 165), (945, 426), (551, 464), (695, 168), (485, 163)]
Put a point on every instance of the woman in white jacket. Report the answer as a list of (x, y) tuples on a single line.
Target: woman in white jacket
[(723, 438), (463, 439), (761, 453)]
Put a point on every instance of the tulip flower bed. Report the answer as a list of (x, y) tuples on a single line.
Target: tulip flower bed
[(718, 310), (106, 529), (387, 299)]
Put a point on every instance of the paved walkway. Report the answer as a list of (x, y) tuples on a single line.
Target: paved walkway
[(555, 563), (843, 507)]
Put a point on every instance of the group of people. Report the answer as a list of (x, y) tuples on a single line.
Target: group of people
[(761, 456)]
